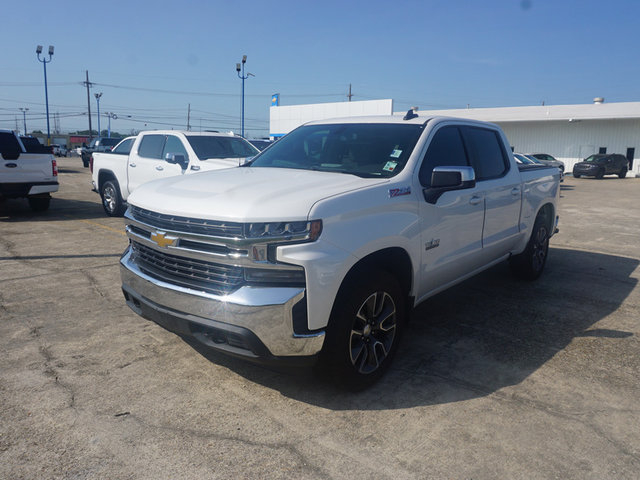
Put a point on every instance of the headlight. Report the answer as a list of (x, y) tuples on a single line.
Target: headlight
[(284, 231)]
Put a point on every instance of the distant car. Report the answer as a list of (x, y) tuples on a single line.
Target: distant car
[(59, 150), (601, 164), (99, 144), (548, 160), (524, 159), (261, 144)]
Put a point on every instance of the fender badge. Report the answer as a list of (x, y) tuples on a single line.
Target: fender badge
[(432, 244), (398, 192), (163, 240)]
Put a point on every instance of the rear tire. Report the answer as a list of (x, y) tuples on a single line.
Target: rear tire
[(111, 199), (39, 204), (364, 329), (600, 174), (623, 172), (529, 264)]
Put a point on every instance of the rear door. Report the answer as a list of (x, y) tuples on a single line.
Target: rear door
[(147, 163), (498, 181)]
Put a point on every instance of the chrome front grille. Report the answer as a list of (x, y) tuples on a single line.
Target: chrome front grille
[(188, 225), (190, 273)]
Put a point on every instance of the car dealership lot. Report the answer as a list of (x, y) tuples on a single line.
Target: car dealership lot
[(495, 379)]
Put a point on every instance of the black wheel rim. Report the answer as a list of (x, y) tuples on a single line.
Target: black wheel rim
[(373, 332), (540, 249)]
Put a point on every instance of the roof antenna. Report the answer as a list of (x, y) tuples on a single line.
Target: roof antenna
[(411, 113)]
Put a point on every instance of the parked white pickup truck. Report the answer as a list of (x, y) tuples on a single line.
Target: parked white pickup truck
[(33, 176), (157, 154), (320, 246)]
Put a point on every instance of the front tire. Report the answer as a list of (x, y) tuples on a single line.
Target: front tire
[(600, 174), (111, 199), (529, 264), (576, 175), (364, 330), (623, 172)]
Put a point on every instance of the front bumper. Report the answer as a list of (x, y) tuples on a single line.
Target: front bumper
[(255, 323)]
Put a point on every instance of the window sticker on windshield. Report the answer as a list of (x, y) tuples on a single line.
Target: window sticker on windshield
[(396, 153), (390, 166)]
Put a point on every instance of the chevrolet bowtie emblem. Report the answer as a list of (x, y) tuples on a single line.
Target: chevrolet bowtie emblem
[(163, 240)]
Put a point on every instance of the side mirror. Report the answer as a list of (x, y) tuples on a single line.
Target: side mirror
[(446, 179), (178, 159)]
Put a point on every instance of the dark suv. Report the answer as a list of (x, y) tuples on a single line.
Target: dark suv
[(100, 144), (602, 164)]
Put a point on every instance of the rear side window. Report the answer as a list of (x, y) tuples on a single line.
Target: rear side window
[(9, 146), (485, 152), (445, 149), (125, 147), (151, 146)]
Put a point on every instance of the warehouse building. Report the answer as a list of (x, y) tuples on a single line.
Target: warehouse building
[(568, 132)]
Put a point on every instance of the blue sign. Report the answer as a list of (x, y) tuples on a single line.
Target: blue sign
[(275, 100)]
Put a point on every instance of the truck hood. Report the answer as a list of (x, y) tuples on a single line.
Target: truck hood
[(247, 194)]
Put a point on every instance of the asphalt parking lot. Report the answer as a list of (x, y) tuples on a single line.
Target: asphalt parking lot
[(495, 379)]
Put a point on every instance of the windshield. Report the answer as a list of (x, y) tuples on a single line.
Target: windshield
[(366, 150), (210, 146)]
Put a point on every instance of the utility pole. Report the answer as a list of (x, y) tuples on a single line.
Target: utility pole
[(88, 84), (188, 118), (349, 95)]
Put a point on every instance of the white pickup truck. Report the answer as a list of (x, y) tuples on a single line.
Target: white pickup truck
[(318, 248), (157, 154), (33, 176)]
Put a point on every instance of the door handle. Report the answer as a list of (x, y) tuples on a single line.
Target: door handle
[(132, 164), (11, 165), (515, 191), (159, 168), (475, 200)]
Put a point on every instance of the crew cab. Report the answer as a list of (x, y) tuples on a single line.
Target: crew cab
[(317, 249), (33, 176), (157, 154)]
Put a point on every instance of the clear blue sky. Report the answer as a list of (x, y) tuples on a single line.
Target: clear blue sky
[(151, 59)]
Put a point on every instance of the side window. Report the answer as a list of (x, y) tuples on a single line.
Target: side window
[(125, 147), (9, 146), (486, 153), (445, 149), (151, 146), (174, 145)]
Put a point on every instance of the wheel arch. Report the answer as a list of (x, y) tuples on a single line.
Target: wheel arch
[(394, 260), (105, 176), (549, 212)]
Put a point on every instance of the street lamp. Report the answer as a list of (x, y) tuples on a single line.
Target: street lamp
[(46, 93), (243, 77), (110, 115), (24, 118), (98, 95)]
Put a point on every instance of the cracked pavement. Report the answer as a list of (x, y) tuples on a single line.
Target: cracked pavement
[(495, 378)]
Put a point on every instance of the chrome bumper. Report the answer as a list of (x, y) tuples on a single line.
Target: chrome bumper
[(241, 323)]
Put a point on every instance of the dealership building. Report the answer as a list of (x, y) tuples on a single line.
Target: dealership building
[(568, 132)]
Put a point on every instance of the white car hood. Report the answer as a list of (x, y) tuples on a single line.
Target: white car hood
[(245, 194)]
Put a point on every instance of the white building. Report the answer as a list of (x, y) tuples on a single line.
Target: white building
[(568, 132)]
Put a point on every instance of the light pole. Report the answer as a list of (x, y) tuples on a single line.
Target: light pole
[(243, 77), (98, 95), (46, 93), (110, 115), (24, 111)]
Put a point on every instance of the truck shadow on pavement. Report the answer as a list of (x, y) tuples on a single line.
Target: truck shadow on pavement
[(478, 337), (17, 210)]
